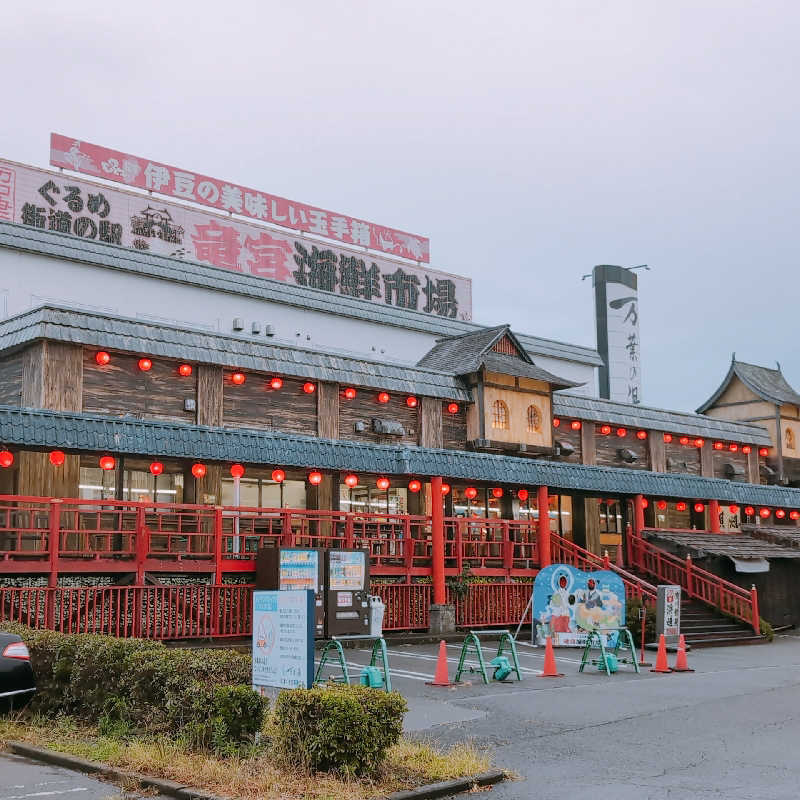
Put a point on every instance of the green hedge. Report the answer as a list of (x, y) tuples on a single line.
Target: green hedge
[(202, 696), (343, 728)]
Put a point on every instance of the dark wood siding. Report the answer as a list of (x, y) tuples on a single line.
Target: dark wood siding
[(120, 388), (365, 407), (724, 457), (11, 379), (255, 405), (682, 458), (563, 433), (431, 422), (454, 427), (608, 447)]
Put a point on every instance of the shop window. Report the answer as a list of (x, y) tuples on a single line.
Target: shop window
[(500, 415), (97, 484), (610, 516), (790, 440), (265, 493), (371, 500), (534, 419)]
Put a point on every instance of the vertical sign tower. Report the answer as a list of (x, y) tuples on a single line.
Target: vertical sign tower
[(617, 318)]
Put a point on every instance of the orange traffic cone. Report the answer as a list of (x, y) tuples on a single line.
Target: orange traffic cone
[(661, 658), (681, 665), (550, 670), (441, 678)]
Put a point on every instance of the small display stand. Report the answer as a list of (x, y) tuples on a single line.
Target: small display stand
[(499, 662), (609, 655), (333, 651)]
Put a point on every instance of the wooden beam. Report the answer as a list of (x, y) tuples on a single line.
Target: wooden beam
[(209, 395), (430, 428), (328, 410)]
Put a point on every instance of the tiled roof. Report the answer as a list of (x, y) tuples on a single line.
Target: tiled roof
[(462, 355), (731, 545), (98, 433), (768, 384), (777, 534), (94, 329), (657, 419), (73, 248)]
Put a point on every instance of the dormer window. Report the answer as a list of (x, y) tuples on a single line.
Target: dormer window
[(500, 415)]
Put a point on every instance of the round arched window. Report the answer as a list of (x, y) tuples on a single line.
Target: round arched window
[(534, 419), (500, 415)]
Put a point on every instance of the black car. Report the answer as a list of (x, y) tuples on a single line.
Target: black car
[(17, 683)]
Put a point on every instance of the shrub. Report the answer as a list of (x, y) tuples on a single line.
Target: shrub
[(347, 729), (203, 696)]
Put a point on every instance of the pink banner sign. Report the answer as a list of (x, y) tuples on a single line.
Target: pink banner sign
[(112, 165), (62, 203)]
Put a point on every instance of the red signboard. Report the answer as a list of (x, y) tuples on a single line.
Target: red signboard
[(143, 173)]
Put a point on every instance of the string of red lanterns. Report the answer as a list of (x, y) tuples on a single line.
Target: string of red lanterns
[(452, 408), (6, 458)]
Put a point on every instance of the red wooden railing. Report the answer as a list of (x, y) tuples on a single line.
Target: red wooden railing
[(699, 584)]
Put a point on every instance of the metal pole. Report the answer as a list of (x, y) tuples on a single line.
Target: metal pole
[(237, 503)]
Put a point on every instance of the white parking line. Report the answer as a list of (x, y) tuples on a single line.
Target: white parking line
[(46, 794)]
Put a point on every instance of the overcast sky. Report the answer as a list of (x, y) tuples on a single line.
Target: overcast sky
[(528, 140)]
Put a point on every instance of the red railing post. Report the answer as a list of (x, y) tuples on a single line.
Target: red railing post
[(408, 547), (349, 535), (629, 545), (689, 577), (217, 545), (437, 542), (606, 560), (459, 545), (638, 514), (142, 545), (287, 538), (53, 540), (713, 515), (508, 549), (543, 526), (754, 602)]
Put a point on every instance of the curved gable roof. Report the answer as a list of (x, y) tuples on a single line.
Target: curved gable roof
[(768, 384)]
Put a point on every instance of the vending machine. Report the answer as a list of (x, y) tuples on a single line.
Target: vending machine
[(347, 592), (295, 568)]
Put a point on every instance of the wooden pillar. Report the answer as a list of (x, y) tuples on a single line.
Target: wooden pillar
[(657, 453), (591, 523), (588, 443), (713, 515), (543, 527), (707, 460), (430, 423), (328, 410), (753, 471), (209, 395), (638, 515), (437, 542)]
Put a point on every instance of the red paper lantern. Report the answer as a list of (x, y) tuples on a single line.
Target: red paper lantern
[(470, 492), (497, 492), (57, 457), (699, 507), (749, 511), (746, 449), (794, 515), (733, 447), (107, 462), (156, 468), (315, 478), (556, 422), (414, 485), (575, 425), (452, 408), (661, 504), (718, 445), (198, 470), (684, 440), (605, 429), (382, 483), (237, 470), (6, 458), (278, 475), (733, 509), (383, 397), (680, 506), (699, 442), (780, 513), (145, 364), (309, 387), (764, 513), (622, 432), (522, 494), (351, 480), (445, 488), (238, 378), (411, 401), (645, 502), (102, 358), (763, 451), (276, 383), (667, 437), (350, 393), (641, 434), (185, 370)]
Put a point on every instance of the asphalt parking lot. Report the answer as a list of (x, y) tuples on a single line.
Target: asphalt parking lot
[(729, 729)]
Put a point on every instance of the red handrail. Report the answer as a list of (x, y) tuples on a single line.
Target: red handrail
[(699, 584)]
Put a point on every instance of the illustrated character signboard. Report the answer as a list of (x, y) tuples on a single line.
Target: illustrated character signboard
[(568, 602)]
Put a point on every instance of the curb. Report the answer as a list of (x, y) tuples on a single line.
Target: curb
[(447, 788), (163, 785)]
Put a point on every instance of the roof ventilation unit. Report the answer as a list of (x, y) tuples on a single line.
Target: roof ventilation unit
[(255, 328), (269, 330), (238, 324)]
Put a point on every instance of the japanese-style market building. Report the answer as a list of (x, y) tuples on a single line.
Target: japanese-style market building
[(161, 418)]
